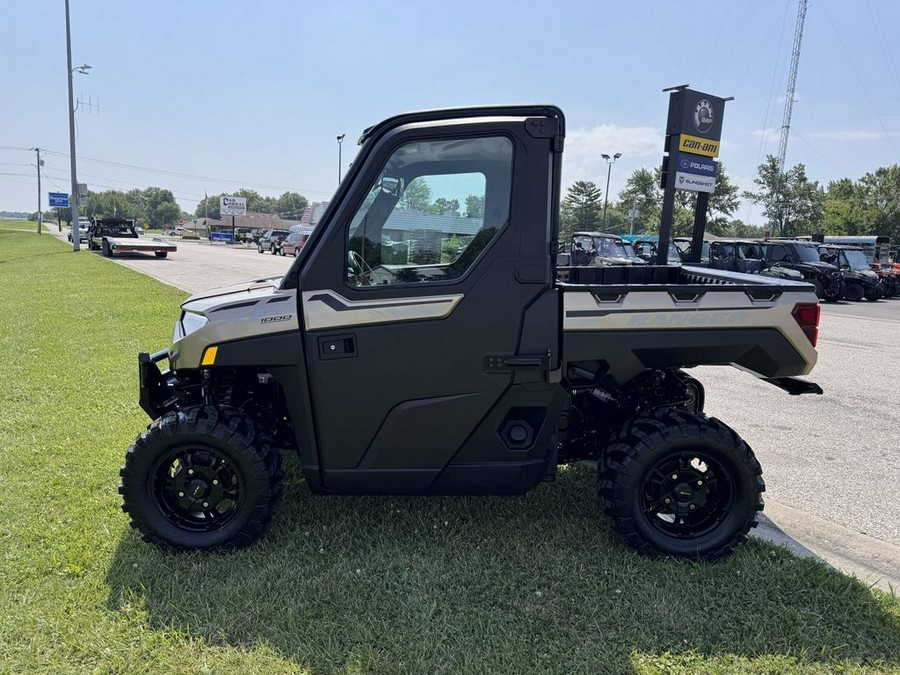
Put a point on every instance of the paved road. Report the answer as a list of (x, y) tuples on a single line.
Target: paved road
[(198, 266), (831, 462)]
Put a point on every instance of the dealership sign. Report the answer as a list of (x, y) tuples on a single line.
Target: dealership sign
[(232, 206)]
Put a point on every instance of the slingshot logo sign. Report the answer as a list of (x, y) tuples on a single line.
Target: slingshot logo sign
[(703, 116)]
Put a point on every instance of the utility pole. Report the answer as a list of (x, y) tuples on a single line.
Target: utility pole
[(39, 163), (340, 141), (76, 239), (73, 200)]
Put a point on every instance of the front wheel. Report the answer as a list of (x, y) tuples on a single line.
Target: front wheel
[(160, 254), (259, 248), (855, 292), (834, 291), (106, 249), (681, 484), (201, 479)]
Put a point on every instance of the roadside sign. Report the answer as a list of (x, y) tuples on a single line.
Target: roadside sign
[(58, 199), (694, 182), (220, 236), (232, 206), (702, 166), (698, 146), (82, 191)]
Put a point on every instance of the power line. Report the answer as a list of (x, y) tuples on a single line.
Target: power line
[(179, 174), (859, 79)]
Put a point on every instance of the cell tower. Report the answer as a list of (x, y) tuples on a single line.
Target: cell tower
[(792, 84)]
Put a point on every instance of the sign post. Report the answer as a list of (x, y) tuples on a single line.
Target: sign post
[(693, 139), (59, 200), (233, 206)]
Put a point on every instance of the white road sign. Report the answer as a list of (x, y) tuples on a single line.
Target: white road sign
[(694, 182), (232, 206)]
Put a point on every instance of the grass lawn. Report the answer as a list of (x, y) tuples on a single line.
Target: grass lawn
[(343, 584)]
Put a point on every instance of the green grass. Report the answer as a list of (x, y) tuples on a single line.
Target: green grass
[(343, 584)]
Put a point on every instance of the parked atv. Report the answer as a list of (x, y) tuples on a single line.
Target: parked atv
[(803, 256), (860, 280)]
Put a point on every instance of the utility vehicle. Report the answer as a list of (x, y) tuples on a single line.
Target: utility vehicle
[(861, 282), (803, 256), (476, 373)]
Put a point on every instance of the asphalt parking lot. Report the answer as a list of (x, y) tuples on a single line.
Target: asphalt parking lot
[(831, 463)]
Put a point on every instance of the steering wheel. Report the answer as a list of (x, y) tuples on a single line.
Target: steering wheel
[(358, 269)]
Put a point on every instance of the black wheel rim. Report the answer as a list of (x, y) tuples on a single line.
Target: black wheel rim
[(687, 494), (197, 489)]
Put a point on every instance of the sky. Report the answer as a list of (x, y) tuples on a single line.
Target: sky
[(208, 96)]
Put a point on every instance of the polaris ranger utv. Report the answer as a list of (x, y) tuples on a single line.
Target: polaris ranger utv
[(861, 282), (470, 371)]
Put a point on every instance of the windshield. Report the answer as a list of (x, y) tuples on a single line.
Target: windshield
[(808, 254), (857, 260), (610, 248)]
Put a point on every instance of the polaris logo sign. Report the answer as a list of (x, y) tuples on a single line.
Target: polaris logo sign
[(232, 206)]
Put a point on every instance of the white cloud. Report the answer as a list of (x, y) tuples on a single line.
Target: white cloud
[(584, 149)]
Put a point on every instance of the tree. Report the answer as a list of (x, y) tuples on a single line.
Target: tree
[(208, 207), (581, 209), (642, 193), (722, 204), (166, 213), (793, 204), (416, 197), (475, 206), (291, 205), (444, 207), (881, 194)]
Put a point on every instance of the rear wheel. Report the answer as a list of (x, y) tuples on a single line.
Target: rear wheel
[(875, 294), (855, 292), (681, 484), (296, 251), (160, 254), (200, 479), (820, 287), (107, 251)]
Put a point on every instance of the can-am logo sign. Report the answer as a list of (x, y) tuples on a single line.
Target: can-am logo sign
[(703, 116), (232, 206)]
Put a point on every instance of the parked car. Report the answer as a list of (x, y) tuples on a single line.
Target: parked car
[(83, 225), (294, 243), (271, 241)]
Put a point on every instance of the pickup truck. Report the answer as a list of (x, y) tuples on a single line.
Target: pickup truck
[(117, 235), (472, 370)]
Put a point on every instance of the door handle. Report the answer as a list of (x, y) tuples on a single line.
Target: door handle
[(337, 346)]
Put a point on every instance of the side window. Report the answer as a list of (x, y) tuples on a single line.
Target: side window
[(435, 206), (779, 252)]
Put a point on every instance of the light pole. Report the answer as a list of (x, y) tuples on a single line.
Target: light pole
[(76, 240), (340, 140), (609, 162)]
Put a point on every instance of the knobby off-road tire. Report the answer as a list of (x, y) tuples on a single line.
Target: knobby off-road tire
[(855, 292), (201, 479), (708, 474)]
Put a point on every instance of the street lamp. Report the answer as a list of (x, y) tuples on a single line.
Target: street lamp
[(609, 162), (83, 69), (340, 140)]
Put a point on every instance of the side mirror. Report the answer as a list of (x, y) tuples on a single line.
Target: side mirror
[(392, 186)]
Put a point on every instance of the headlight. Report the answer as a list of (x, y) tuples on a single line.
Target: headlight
[(191, 322)]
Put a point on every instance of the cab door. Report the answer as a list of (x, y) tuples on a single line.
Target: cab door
[(431, 322)]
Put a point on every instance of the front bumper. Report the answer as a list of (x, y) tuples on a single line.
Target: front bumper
[(156, 388)]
